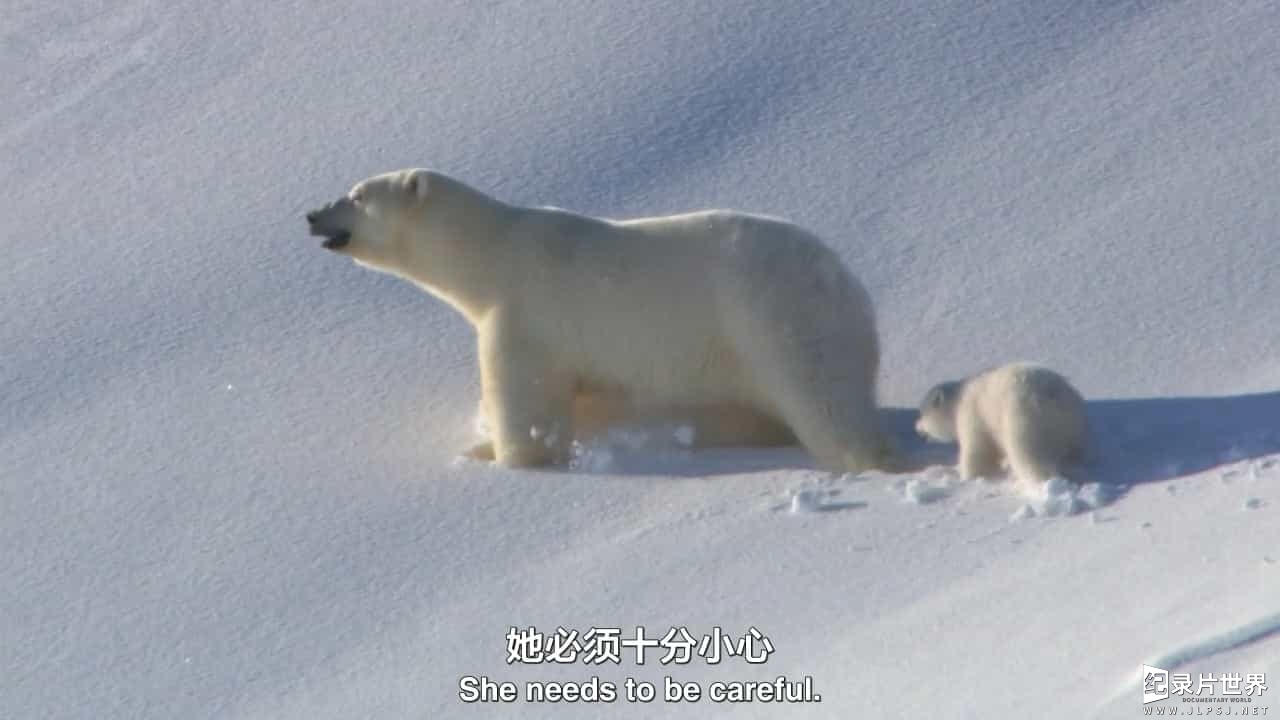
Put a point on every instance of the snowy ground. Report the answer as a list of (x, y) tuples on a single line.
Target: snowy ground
[(228, 484)]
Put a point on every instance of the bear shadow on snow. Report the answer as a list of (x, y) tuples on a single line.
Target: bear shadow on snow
[(1146, 440), (1133, 441), (651, 452)]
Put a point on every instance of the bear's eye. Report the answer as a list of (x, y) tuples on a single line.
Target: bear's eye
[(357, 197)]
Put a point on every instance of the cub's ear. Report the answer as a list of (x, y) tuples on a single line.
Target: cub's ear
[(419, 185)]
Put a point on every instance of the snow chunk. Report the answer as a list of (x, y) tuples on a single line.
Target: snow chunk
[(1059, 497), (935, 484), (1025, 512), (549, 436), (591, 458), (685, 435), (806, 501), (815, 500), (921, 492)]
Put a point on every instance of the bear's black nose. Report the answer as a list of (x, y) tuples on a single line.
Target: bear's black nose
[(311, 216)]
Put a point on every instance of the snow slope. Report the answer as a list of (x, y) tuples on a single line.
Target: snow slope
[(227, 457)]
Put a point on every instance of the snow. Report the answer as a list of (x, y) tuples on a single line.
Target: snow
[(230, 484)]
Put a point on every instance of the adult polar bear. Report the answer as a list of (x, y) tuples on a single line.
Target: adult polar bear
[(746, 326)]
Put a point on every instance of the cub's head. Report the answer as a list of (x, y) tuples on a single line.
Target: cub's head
[(376, 221), (938, 412)]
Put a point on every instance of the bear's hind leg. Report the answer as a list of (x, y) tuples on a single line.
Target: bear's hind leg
[(1033, 456), (831, 416), (812, 354)]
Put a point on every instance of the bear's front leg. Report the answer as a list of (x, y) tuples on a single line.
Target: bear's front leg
[(528, 404)]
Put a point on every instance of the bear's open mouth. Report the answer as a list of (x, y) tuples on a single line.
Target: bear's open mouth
[(336, 241)]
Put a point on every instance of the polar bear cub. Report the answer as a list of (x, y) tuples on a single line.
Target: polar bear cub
[(748, 326), (1021, 414)]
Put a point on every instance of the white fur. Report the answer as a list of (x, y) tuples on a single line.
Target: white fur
[(1020, 414), (747, 326)]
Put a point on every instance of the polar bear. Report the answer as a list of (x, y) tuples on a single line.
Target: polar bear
[(747, 326), (1021, 413)]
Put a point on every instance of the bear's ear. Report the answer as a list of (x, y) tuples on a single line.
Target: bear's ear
[(419, 185)]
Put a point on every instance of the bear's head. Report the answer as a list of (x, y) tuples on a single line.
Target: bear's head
[(376, 221), (425, 227), (938, 412)]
